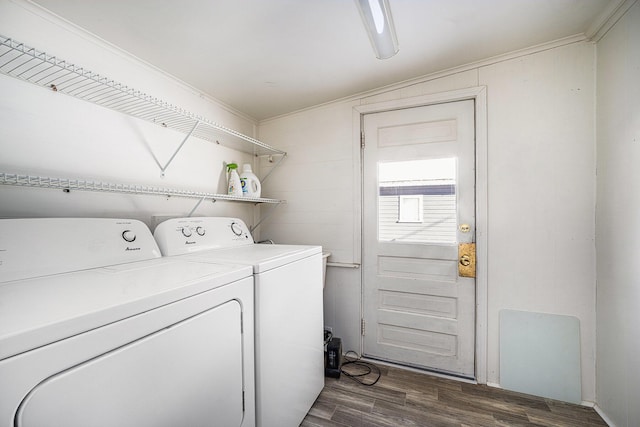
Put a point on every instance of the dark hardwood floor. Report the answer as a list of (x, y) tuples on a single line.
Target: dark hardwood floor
[(407, 398)]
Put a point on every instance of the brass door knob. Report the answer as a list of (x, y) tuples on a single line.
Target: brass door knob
[(465, 260)]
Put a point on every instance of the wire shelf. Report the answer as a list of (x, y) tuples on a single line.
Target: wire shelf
[(26, 63), (67, 185)]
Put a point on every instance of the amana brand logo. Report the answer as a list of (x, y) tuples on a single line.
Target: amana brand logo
[(189, 243), (132, 249)]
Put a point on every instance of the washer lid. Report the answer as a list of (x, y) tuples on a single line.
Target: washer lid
[(179, 236), (262, 257), (39, 311)]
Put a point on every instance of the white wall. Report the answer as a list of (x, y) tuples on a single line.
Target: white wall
[(618, 221), (52, 134), (317, 180), (541, 193), (541, 182)]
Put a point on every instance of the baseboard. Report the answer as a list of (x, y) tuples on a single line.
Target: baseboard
[(582, 403), (604, 416)]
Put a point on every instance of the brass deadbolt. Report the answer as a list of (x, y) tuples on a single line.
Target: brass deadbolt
[(467, 260)]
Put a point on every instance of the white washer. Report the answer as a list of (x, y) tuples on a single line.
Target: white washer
[(97, 329), (288, 303)]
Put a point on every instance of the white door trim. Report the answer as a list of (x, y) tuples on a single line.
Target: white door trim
[(479, 94)]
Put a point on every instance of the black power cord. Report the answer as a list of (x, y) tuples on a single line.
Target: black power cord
[(362, 369), (327, 337)]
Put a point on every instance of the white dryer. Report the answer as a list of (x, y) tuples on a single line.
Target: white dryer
[(97, 329), (288, 309)]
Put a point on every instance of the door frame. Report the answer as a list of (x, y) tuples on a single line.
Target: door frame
[(479, 95)]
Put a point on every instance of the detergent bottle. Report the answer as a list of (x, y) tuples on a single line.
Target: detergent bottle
[(250, 184), (234, 185)]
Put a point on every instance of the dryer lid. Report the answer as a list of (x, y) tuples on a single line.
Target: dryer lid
[(39, 311)]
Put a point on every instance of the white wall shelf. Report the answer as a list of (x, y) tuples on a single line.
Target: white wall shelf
[(67, 185), (26, 63)]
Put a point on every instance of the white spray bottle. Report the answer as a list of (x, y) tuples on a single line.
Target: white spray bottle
[(234, 186)]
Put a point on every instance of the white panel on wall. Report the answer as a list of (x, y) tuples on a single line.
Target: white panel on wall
[(540, 354)]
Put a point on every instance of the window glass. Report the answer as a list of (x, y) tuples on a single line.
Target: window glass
[(410, 208), (417, 201)]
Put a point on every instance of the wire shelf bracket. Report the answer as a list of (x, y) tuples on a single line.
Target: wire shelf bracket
[(264, 217), (175, 153)]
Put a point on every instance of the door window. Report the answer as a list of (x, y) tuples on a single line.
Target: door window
[(417, 201)]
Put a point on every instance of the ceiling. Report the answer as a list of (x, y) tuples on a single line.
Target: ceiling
[(269, 57)]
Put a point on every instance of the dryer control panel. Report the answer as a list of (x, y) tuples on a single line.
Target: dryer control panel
[(34, 247), (178, 236)]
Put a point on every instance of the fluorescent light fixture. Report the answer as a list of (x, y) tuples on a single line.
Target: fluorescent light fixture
[(376, 16)]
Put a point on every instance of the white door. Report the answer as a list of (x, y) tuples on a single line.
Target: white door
[(419, 205)]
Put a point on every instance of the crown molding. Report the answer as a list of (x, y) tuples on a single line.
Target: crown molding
[(577, 38), (608, 19)]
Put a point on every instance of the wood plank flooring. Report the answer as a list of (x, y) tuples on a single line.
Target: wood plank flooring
[(407, 398)]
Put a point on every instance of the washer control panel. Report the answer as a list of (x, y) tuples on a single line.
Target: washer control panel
[(179, 236), (236, 228)]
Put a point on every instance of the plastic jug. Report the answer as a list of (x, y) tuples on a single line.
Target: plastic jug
[(250, 184), (234, 187)]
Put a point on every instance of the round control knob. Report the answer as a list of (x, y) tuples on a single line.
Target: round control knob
[(236, 228), (128, 236), (200, 231), (186, 232)]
